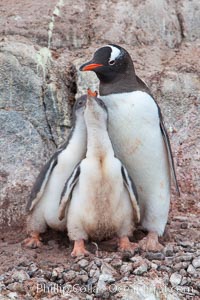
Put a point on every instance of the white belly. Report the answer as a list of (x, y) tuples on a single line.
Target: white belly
[(137, 140), (100, 203), (51, 198)]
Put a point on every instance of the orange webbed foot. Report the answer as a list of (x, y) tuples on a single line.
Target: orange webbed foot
[(151, 243), (79, 249), (34, 241), (126, 246)]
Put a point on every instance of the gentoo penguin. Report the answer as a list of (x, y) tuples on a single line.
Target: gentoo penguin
[(45, 195), (138, 136), (100, 193)]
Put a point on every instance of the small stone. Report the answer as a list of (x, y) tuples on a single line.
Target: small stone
[(154, 266), (101, 285), (191, 269), (165, 268), (107, 259), (196, 262), (16, 287), (94, 274), (68, 276), (108, 269), (126, 268), (184, 225), (83, 278), (47, 275), (183, 272), (98, 262), (180, 258), (20, 276), (88, 297), (168, 250), (141, 269), (75, 267), (181, 265), (13, 296), (175, 279), (186, 244), (155, 256), (83, 263), (184, 281), (116, 262)]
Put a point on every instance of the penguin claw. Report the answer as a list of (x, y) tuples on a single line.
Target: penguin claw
[(79, 249), (32, 242), (126, 246), (151, 243)]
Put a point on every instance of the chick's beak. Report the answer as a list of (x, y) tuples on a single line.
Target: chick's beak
[(89, 66)]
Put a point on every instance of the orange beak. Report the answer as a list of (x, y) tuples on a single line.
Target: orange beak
[(92, 94), (90, 67)]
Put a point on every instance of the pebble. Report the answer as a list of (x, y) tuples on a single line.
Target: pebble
[(83, 263), (20, 275), (13, 295), (186, 244), (181, 265), (141, 270), (196, 262), (76, 267), (180, 258), (184, 281), (88, 297), (191, 270), (126, 268), (16, 287), (94, 274), (175, 279), (168, 250), (101, 285), (116, 262), (155, 256), (154, 266), (165, 268), (68, 276)]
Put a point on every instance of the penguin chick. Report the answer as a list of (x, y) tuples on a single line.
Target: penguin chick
[(103, 197), (43, 203)]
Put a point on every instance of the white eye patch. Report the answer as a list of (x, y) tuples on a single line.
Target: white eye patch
[(115, 52)]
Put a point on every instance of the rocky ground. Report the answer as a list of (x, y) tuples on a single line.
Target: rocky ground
[(50, 272)]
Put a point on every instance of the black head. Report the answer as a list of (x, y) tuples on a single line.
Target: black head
[(109, 63)]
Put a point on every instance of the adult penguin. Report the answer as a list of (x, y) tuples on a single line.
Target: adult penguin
[(138, 136)]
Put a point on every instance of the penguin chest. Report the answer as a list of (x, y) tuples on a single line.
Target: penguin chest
[(98, 196), (134, 129)]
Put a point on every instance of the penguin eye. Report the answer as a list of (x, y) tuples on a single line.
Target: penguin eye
[(112, 62), (80, 103)]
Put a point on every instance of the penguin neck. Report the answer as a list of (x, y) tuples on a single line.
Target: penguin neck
[(121, 83), (98, 141), (79, 133)]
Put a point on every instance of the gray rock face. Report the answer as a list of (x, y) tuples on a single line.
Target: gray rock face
[(137, 22), (36, 95)]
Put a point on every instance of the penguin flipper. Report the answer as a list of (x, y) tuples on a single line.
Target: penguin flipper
[(41, 182), (129, 184), (169, 151), (67, 191)]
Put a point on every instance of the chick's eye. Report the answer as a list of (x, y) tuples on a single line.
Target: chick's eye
[(112, 62), (80, 103)]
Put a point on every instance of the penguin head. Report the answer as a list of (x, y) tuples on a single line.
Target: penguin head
[(79, 105), (96, 111), (109, 62)]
